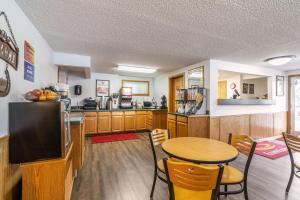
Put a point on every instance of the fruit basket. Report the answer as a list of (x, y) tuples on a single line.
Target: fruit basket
[(41, 95)]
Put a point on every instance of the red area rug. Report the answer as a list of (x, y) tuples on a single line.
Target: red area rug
[(114, 137), (271, 149)]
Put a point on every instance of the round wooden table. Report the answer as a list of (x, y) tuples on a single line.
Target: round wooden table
[(200, 150)]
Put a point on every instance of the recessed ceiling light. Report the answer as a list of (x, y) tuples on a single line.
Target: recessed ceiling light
[(280, 60), (138, 69)]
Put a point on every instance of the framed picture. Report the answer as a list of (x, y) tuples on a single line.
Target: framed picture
[(139, 88), (196, 77), (102, 88), (251, 88), (279, 85), (245, 88)]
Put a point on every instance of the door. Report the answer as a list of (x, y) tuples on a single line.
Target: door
[(182, 129), (91, 125), (294, 104), (222, 90), (141, 122), (129, 122), (117, 123), (104, 124), (176, 84), (172, 128)]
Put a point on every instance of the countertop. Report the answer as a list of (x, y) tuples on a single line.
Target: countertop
[(186, 115), (76, 118), (119, 109)]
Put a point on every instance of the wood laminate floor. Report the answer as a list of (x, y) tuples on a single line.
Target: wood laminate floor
[(124, 171)]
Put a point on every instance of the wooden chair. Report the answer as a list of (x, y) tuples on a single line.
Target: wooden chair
[(188, 181), (157, 137), (293, 145), (232, 176)]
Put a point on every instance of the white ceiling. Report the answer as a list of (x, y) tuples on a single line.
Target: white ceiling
[(169, 34)]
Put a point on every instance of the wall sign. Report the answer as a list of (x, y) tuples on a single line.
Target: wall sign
[(102, 88), (29, 56), (279, 85), (9, 53)]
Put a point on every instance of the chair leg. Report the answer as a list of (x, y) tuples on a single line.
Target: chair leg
[(225, 190), (290, 180), (246, 191), (153, 185)]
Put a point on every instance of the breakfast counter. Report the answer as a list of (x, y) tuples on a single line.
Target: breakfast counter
[(121, 120), (120, 110), (182, 125)]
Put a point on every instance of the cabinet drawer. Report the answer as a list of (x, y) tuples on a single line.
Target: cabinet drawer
[(182, 119), (172, 117), (150, 117), (104, 113), (141, 112), (90, 114), (117, 113), (129, 112), (149, 121)]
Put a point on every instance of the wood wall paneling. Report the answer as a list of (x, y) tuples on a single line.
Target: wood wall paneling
[(198, 126), (214, 128), (280, 123), (10, 175), (255, 125), (236, 124), (261, 125)]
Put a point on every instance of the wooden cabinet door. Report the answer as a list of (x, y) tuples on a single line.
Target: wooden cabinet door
[(163, 120), (172, 128), (141, 122), (182, 129), (104, 124), (91, 125), (130, 121), (117, 123)]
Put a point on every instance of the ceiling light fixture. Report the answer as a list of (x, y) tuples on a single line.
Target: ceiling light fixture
[(280, 60), (138, 69)]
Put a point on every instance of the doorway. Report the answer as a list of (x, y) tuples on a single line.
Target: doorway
[(294, 104), (175, 83), (222, 90)]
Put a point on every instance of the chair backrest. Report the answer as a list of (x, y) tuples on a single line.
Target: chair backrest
[(158, 136), (193, 177), (245, 145), (292, 142)]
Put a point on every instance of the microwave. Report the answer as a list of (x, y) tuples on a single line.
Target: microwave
[(38, 131)]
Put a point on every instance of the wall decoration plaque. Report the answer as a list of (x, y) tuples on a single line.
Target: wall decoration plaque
[(29, 61), (245, 88), (251, 88), (102, 88), (9, 56), (279, 85)]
